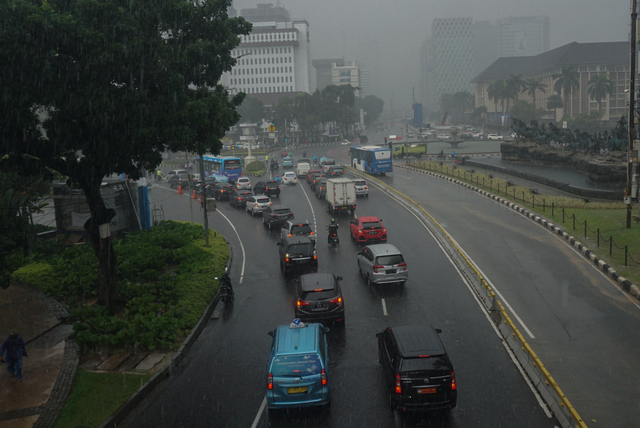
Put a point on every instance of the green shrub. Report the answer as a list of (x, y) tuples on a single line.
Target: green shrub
[(39, 275)]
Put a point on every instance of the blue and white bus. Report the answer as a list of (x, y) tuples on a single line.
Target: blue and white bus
[(229, 166), (372, 159)]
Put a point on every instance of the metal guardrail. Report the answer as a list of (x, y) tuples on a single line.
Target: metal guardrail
[(533, 366)]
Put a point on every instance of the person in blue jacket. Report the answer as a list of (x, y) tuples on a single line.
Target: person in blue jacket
[(15, 349)]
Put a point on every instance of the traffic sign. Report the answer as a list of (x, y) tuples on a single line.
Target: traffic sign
[(271, 128), (272, 135)]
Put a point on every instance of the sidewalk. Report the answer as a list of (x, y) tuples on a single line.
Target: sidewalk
[(48, 371)]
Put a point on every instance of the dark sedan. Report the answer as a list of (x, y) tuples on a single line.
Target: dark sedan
[(239, 198)]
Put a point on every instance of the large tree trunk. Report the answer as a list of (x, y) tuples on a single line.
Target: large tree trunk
[(107, 282)]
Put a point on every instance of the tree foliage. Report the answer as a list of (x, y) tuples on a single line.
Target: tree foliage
[(113, 84), (525, 111)]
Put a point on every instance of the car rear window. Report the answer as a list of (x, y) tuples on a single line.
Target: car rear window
[(436, 362), (282, 211), (361, 183), (296, 365), (305, 229), (305, 249), (315, 296), (371, 225), (290, 174), (390, 260), (337, 170)]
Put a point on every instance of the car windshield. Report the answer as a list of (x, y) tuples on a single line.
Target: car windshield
[(371, 225), (304, 229), (296, 365), (305, 249), (437, 362), (394, 259), (314, 296)]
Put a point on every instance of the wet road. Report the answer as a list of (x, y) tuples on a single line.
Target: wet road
[(223, 381)]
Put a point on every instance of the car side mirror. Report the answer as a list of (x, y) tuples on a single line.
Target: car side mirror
[(327, 329), (378, 335), (270, 333), (438, 330), (338, 278)]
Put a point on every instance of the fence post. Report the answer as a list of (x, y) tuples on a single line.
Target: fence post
[(574, 222), (553, 205), (563, 216), (610, 245), (585, 229), (625, 256), (533, 200), (598, 232)]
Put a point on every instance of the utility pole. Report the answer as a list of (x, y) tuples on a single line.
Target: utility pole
[(632, 105), (203, 198)]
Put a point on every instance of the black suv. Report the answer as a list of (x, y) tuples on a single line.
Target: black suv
[(276, 215), (297, 253), (223, 191), (321, 188), (417, 369), (320, 298), (267, 188), (335, 171)]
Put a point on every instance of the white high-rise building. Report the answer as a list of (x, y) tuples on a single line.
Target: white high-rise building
[(274, 58), (347, 74)]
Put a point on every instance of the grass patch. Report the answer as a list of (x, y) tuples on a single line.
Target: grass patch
[(582, 219), (257, 167), (95, 396)]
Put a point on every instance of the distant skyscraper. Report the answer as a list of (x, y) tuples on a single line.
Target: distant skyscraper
[(452, 52), (524, 35), (486, 45), (347, 74), (323, 70)]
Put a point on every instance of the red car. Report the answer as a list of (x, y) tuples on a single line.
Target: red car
[(364, 229)]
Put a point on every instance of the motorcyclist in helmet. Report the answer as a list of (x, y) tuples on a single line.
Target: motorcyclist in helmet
[(315, 159), (333, 230)]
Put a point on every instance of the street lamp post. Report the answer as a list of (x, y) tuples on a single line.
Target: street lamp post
[(632, 80)]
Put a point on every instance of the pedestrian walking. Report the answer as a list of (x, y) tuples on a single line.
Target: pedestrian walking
[(14, 348)]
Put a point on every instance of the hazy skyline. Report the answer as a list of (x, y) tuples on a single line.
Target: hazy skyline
[(340, 28)]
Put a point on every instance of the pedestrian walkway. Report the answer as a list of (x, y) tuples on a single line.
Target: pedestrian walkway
[(53, 357)]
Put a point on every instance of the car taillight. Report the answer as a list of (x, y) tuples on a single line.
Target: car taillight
[(274, 216), (239, 199), (290, 235), (403, 266), (366, 187), (323, 376), (453, 381), (384, 230), (376, 267), (398, 386), (336, 300), (286, 257), (311, 233), (302, 303), (269, 381), (256, 205), (315, 257)]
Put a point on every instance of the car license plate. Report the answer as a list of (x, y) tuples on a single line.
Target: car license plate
[(298, 390), (391, 271), (425, 390), (372, 233)]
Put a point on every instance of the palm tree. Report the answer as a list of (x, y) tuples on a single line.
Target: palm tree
[(554, 102), (463, 100), (566, 81), (516, 85), (534, 85), (495, 92), (599, 86)]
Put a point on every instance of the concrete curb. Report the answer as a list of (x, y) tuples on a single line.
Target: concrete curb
[(602, 265), (132, 402)]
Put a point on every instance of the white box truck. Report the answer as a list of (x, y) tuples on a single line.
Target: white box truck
[(341, 195)]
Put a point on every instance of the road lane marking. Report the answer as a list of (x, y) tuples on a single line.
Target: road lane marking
[(536, 394), (244, 258), (262, 406), (313, 213), (384, 308)]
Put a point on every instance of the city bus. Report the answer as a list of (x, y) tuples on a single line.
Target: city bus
[(372, 159), (229, 166)]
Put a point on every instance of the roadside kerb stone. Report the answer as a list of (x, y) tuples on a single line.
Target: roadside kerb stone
[(623, 283), (134, 400)]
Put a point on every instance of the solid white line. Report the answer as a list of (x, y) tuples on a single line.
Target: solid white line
[(244, 258), (502, 299), (484, 310), (384, 308), (262, 406)]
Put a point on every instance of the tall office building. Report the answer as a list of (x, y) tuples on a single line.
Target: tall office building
[(323, 70), (347, 74), (524, 35), (274, 58), (451, 49)]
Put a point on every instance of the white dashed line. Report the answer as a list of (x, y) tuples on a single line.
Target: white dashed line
[(384, 308)]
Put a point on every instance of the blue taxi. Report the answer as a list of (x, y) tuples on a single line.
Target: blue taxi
[(287, 162), (298, 367)]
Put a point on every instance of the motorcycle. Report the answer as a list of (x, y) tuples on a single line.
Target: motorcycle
[(226, 291), (333, 236)]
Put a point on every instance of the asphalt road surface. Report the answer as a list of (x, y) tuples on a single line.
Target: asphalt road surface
[(223, 382)]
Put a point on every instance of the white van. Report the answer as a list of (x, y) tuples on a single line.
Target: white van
[(302, 169)]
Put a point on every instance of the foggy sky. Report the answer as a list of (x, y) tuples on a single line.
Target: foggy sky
[(342, 28)]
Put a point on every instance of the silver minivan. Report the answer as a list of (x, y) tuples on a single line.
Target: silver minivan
[(257, 204), (382, 264)]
